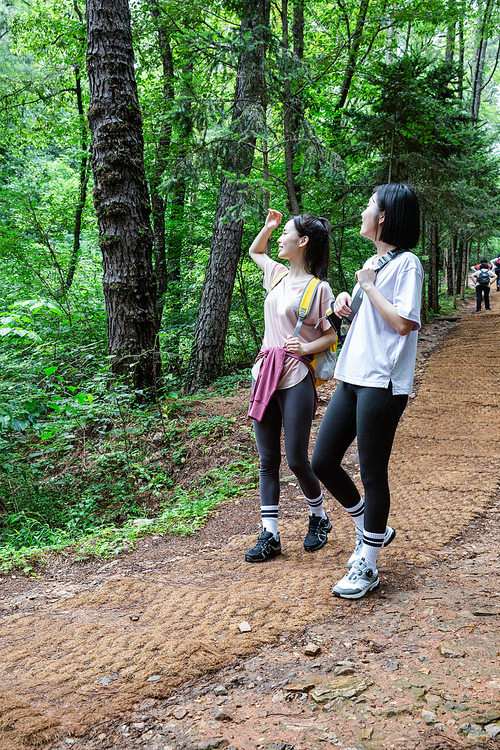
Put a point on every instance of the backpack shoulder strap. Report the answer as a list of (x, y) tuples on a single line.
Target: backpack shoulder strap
[(305, 303), (276, 281)]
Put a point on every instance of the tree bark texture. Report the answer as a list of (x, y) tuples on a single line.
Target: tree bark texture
[(83, 183), (433, 268), (289, 118), (451, 32), (161, 157), (354, 45), (213, 314), (459, 265), (423, 314), (483, 30), (121, 197)]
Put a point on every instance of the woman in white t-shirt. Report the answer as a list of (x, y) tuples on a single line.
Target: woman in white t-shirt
[(284, 393), (375, 370)]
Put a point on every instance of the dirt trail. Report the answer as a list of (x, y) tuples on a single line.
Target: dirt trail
[(131, 632)]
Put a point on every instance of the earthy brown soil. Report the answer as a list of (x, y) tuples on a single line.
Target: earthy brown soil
[(145, 650)]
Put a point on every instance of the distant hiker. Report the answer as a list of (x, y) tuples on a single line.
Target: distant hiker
[(375, 369), (496, 270), (482, 278), (478, 265), (284, 391)]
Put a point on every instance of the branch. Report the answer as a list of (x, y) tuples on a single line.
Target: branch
[(494, 68)]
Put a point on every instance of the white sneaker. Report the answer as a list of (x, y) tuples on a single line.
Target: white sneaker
[(361, 578), (390, 533)]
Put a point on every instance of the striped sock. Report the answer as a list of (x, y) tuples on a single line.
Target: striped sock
[(269, 515), (372, 544), (357, 514), (316, 506)]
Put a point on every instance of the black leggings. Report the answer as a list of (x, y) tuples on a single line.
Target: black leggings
[(480, 290), (292, 408), (371, 415)]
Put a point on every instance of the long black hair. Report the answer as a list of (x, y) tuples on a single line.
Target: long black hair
[(401, 225), (317, 251)]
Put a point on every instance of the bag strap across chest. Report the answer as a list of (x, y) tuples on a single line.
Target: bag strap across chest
[(306, 299)]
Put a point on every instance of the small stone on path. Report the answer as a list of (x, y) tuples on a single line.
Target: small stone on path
[(450, 651), (213, 744), (245, 627), (312, 649), (428, 716), (223, 715)]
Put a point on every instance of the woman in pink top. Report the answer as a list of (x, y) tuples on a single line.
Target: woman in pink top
[(289, 389)]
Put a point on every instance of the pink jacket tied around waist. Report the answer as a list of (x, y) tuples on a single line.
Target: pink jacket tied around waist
[(268, 378)]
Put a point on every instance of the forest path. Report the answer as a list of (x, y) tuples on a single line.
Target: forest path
[(123, 635)]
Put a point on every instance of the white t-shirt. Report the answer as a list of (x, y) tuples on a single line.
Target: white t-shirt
[(280, 317), (374, 354)]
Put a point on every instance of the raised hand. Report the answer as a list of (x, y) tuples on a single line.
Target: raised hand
[(273, 219)]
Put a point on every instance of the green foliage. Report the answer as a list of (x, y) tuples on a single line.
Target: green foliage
[(77, 458)]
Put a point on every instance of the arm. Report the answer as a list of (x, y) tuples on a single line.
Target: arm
[(366, 278), (324, 342), (258, 247)]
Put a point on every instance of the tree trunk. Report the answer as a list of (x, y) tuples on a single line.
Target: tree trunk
[(461, 57), (289, 118), (424, 264), (83, 184), (480, 56), (161, 157), (213, 314), (465, 271), (451, 32), (433, 268), (354, 45), (121, 196), (461, 252), (454, 270)]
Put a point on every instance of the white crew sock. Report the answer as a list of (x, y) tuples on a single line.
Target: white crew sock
[(316, 506), (269, 515), (372, 544), (357, 514)]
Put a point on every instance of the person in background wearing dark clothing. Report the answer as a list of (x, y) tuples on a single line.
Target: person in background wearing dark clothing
[(478, 265), (495, 262), (482, 278)]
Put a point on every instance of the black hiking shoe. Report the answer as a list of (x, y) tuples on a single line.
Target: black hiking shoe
[(317, 533), (267, 547)]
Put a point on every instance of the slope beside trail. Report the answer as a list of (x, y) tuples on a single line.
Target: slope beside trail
[(125, 636)]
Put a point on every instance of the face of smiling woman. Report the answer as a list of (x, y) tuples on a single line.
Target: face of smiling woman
[(370, 219), (291, 246)]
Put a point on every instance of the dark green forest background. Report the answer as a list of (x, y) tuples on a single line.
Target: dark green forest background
[(301, 106)]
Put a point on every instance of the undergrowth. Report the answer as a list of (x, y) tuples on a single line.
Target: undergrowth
[(79, 463)]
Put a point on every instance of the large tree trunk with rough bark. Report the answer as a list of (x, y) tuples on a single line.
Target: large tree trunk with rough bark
[(213, 315), (121, 197)]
